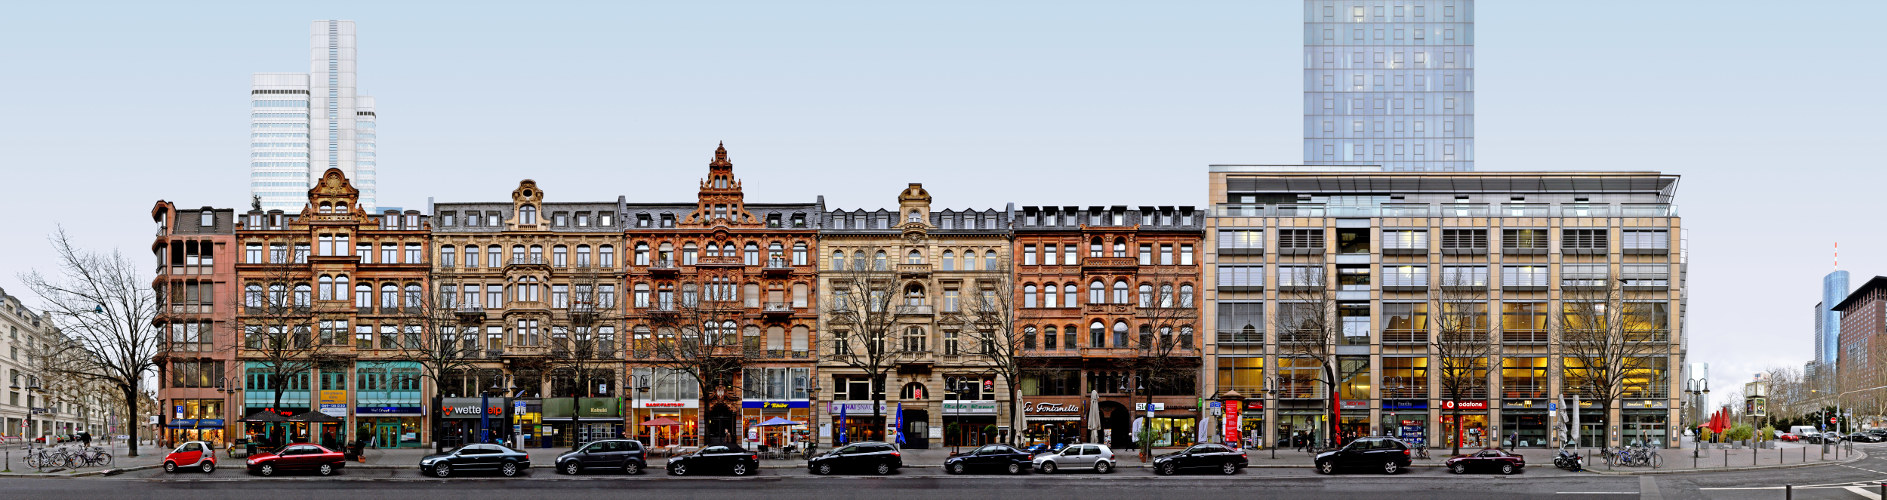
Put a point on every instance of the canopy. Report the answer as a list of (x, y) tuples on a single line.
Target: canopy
[(777, 421), (314, 417), (265, 416), (661, 422)]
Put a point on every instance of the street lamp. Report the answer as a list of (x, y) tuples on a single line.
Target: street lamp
[(31, 387), (1694, 388)]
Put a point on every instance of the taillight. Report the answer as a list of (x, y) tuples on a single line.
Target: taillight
[(1405, 452), (896, 454), (756, 457)]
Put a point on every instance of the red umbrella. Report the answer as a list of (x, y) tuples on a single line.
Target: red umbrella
[(661, 422)]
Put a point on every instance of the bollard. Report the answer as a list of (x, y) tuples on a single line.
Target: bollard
[(1726, 459), (1788, 492)]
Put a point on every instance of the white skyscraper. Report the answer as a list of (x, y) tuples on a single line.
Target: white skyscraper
[(302, 124)]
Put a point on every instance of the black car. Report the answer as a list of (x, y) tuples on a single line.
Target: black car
[(718, 458), (998, 457), (476, 458), (1204, 456), (1864, 437), (609, 455), (1382, 453), (879, 458)]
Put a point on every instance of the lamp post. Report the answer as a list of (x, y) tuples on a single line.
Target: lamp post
[(812, 399), (641, 383), (31, 387), (484, 413), (1146, 427), (1694, 388)]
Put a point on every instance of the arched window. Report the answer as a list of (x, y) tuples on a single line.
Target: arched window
[(665, 255), (1094, 247), (340, 288), (990, 263), (776, 251), (326, 287), (799, 254), (1028, 338), (1068, 295), (838, 259), (727, 250), (363, 296), (1146, 336), (1120, 335), (914, 295), (471, 256), (560, 256), (642, 254), (390, 296), (858, 259), (1186, 337), (583, 255), (878, 260), (1166, 295), (1028, 296), (1185, 295), (537, 254), (606, 256), (1097, 334), (753, 254), (1120, 292), (915, 217), (914, 258), (413, 296), (252, 296), (1097, 293), (713, 251), (969, 260), (527, 215), (517, 254), (1049, 297), (690, 253), (1146, 295), (1049, 340), (448, 256), (1120, 247), (949, 261), (913, 390)]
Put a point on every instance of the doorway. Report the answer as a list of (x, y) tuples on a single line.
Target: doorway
[(720, 426), (386, 435), (1116, 418), (916, 429)]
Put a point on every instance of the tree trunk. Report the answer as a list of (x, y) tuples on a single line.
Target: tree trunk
[(1015, 412), (131, 420), (1454, 411)]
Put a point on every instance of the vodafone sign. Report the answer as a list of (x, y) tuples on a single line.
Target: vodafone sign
[(1464, 405)]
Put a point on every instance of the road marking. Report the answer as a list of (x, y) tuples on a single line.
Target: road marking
[(1864, 493), (1596, 493), (1648, 489)]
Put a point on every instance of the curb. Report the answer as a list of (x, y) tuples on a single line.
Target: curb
[(89, 473), (1860, 455)]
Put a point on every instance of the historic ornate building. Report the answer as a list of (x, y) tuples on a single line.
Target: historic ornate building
[(721, 311), (333, 304), (196, 292), (1105, 302), (897, 288)]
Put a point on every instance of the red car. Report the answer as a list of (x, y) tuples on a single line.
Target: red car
[(196, 454), (1788, 437), (300, 456), (1487, 460)]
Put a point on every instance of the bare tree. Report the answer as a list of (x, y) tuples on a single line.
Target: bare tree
[(583, 349), (861, 321), (105, 308), (1167, 356), (1606, 341), (1460, 313), (449, 333), (1308, 328), (988, 319), (698, 336), (278, 322)]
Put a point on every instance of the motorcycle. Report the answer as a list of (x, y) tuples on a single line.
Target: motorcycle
[(1569, 460)]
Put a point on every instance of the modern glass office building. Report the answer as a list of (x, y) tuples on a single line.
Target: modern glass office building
[(302, 124), (1390, 83)]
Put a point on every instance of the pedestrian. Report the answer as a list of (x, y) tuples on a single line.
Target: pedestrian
[(85, 439)]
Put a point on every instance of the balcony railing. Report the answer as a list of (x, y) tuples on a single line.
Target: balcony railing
[(1523, 337), (777, 308), (914, 309), (1404, 337), (663, 266), (720, 260), (1241, 337)]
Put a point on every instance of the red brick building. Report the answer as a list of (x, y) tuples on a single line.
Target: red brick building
[(196, 293)]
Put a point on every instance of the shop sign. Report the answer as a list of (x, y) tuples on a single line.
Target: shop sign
[(1465, 405), (1254, 405), (1657, 403), (852, 409), (1355, 405), (1404, 404), (668, 404), (389, 410), (1521, 403), (469, 408), (969, 407), (775, 405), (1143, 406), (334, 403), (189, 423), (1041, 407)]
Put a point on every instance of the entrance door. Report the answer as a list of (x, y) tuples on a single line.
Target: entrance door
[(720, 427), (916, 429), (386, 435), (1116, 417)]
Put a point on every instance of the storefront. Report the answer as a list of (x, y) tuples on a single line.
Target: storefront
[(277, 433), (197, 420), (390, 426), (1524, 424), (388, 409), (685, 413), (854, 422), (464, 420), (1175, 427), (1355, 421), (1300, 422), (527, 421), (1645, 422), (1250, 421), (965, 420), (574, 421), (1052, 419), (1472, 430), (754, 412), (1406, 419)]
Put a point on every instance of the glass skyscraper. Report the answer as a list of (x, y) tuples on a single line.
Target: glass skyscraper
[(1834, 288), (1389, 82), (302, 124)]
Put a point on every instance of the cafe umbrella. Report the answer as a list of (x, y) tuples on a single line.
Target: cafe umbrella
[(663, 422)]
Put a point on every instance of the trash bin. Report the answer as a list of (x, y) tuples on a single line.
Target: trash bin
[(249, 448)]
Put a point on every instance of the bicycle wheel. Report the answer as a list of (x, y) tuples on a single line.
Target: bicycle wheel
[(1657, 460), (104, 459)]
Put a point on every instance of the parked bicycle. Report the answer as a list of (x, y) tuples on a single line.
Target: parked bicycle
[(44, 458), (90, 457), (1418, 449)]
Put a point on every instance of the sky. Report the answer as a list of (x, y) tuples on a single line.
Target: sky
[(109, 107)]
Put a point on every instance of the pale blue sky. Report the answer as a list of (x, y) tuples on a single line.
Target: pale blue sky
[(110, 106)]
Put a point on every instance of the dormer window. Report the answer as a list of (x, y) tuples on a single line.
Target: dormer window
[(583, 220), (606, 219), (773, 220), (527, 215), (560, 219), (915, 217), (642, 220), (799, 220), (208, 219)]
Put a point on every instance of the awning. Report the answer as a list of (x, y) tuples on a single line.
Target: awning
[(188, 423)]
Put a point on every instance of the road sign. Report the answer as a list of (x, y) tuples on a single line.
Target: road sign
[(1552, 407)]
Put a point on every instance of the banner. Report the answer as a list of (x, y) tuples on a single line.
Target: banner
[(1231, 425)]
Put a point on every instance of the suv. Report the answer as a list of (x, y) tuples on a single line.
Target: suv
[(623, 455), (1383, 453), (879, 458)]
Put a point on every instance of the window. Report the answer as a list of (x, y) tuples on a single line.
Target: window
[(1097, 335), (1146, 295), (1028, 255), (878, 261), (1300, 276), (559, 256), (1120, 292), (1097, 293), (1146, 255), (1523, 239), (414, 253), (1028, 296), (1638, 241), (799, 254), (527, 215), (949, 260), (1523, 276), (1464, 240), (1405, 322), (1405, 276), (1301, 240), (1585, 240), (1464, 276), (1415, 241)]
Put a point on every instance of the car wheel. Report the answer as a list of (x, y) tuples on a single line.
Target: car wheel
[(884, 468), (823, 470), (1228, 468), (170, 467), (266, 470), (1327, 467), (1507, 469), (1048, 467), (1391, 467), (510, 469), (632, 468), (1167, 469), (571, 468), (679, 469), (442, 470), (740, 468), (208, 467), (327, 469), (1102, 467), (956, 468), (1456, 468)]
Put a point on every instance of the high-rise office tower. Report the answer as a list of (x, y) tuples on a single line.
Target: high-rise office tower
[(1834, 288), (1389, 82), (302, 124)]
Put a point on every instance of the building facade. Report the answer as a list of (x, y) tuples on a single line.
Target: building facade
[(1834, 289), (196, 291), (1104, 300), (896, 287), (40, 401), (1863, 316), (302, 124), (1517, 257), (722, 312), (333, 305), (1389, 83)]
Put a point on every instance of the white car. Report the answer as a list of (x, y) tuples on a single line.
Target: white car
[(1095, 457)]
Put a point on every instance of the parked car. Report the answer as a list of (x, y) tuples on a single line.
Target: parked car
[(1864, 437), (879, 458), (1038, 448), (1784, 436), (623, 455), (998, 457), (719, 458), (1382, 453), (1096, 457), (481, 457), (1487, 460), (191, 454), (1822, 437), (299, 456), (1204, 456)]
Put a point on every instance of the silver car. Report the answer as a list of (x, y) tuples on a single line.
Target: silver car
[(1094, 457)]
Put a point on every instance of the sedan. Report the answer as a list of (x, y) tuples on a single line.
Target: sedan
[(1864, 437), (193, 454), (1096, 457), (610, 455), (1204, 456), (1382, 453), (998, 457), (730, 459), (1788, 437), (302, 456), (476, 458), (1487, 460), (879, 458)]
